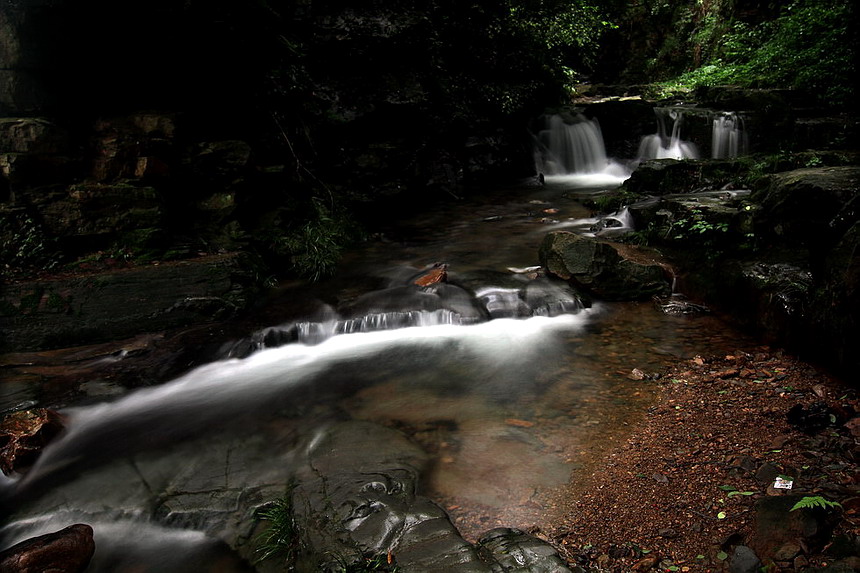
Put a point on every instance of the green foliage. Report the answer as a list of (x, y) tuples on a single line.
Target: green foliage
[(809, 46), (815, 501), (692, 225), (281, 537), (24, 245), (315, 247)]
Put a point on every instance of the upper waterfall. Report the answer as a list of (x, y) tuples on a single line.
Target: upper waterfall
[(571, 147), (667, 144)]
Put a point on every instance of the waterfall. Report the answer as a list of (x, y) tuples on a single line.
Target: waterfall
[(662, 146), (572, 148), (728, 138)]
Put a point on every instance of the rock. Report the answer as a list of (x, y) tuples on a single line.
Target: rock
[(32, 135), (116, 304), (776, 526), (518, 552), (356, 497), (744, 560), (610, 271), (137, 145), (23, 435), (66, 551), (798, 207), (220, 159), (94, 216), (766, 473), (787, 552)]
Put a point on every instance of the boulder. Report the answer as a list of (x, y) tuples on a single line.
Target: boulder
[(805, 207), (610, 271), (23, 435), (66, 551)]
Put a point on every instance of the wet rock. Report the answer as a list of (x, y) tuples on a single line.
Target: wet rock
[(744, 560), (677, 304), (602, 268), (547, 297), (517, 552), (73, 311), (23, 435), (66, 551), (356, 496)]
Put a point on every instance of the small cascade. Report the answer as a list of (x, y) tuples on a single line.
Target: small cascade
[(728, 137), (404, 307), (573, 146), (613, 224), (662, 146)]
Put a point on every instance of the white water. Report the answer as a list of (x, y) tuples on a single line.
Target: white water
[(154, 417), (572, 151), (616, 223), (728, 136), (667, 144)]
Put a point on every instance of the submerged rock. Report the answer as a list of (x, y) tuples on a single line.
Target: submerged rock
[(356, 496), (516, 551)]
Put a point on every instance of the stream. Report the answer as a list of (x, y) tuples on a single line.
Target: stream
[(512, 409)]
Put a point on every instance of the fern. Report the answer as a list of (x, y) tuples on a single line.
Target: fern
[(813, 501)]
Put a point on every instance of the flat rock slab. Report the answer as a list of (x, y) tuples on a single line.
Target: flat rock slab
[(117, 304)]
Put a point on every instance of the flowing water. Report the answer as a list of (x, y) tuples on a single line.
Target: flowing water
[(667, 144), (728, 136), (511, 395)]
